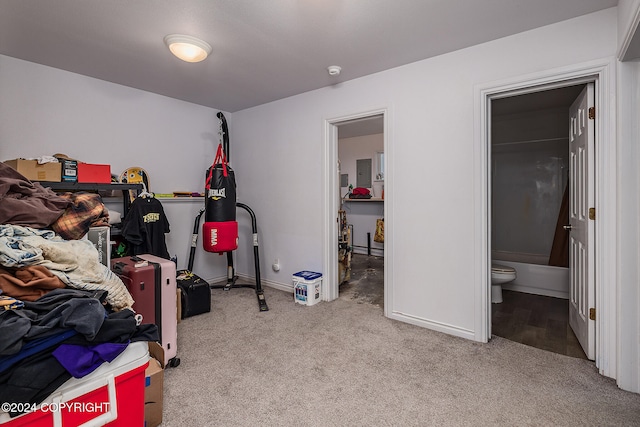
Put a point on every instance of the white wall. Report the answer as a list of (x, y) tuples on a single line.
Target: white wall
[(627, 14), (362, 215), (359, 147), (430, 162), (45, 111), (629, 226), (529, 175), (628, 297)]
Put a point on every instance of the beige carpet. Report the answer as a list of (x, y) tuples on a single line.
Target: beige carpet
[(344, 364)]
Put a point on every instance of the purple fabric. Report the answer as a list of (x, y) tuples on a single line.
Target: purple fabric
[(82, 360)]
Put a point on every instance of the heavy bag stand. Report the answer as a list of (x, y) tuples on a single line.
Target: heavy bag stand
[(231, 276)]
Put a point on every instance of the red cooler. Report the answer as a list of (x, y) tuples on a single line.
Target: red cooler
[(112, 395)]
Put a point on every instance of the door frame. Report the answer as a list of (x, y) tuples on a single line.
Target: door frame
[(331, 197), (602, 73)]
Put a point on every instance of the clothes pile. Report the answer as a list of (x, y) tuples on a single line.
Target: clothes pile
[(360, 193), (62, 312)]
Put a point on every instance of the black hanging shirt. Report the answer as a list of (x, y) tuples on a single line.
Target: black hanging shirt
[(144, 227)]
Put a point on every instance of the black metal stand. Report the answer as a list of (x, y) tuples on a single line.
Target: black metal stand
[(194, 240), (231, 276)]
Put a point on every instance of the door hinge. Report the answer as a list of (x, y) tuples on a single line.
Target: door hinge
[(592, 113), (592, 214), (592, 314)]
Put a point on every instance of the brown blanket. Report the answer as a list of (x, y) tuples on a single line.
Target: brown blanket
[(27, 203), (28, 283)]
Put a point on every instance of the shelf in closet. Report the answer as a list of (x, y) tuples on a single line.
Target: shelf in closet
[(373, 199), (95, 187)]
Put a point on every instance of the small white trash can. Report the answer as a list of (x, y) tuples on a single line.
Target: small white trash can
[(307, 287)]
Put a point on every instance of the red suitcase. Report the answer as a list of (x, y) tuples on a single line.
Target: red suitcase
[(151, 280)]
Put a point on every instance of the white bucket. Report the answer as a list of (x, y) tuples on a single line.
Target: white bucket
[(307, 287), (378, 186)]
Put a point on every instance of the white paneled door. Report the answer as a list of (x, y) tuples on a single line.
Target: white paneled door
[(581, 219)]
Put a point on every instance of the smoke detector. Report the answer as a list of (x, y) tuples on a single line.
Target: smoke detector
[(334, 70)]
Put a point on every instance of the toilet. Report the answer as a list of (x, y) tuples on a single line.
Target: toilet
[(500, 274)]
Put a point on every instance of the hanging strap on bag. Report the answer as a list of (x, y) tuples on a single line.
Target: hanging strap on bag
[(221, 159)]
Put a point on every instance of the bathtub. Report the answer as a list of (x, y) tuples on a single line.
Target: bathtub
[(538, 279)]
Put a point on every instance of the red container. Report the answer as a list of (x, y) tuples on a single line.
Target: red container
[(112, 395), (88, 172)]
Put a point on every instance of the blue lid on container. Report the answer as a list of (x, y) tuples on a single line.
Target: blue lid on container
[(308, 275)]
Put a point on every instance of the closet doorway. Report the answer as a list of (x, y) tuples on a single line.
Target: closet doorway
[(361, 177)]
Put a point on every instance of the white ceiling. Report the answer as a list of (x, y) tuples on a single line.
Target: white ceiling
[(360, 127), (263, 50), (560, 98)]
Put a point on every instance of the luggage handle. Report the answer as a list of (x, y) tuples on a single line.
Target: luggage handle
[(139, 262), (118, 267)]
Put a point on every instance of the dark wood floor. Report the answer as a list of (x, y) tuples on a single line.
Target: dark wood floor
[(366, 284), (535, 320)]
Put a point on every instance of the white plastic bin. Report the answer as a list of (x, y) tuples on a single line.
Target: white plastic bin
[(307, 287)]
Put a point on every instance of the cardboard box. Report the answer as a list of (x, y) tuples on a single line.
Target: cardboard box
[(154, 386), (69, 169), (92, 173), (31, 170)]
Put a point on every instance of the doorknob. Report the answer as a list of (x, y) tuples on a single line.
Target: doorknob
[(567, 227)]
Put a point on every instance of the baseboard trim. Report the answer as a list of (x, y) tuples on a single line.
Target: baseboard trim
[(435, 326), (287, 287), (536, 291), (363, 251)]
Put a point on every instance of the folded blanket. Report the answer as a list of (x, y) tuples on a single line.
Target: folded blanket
[(28, 283), (75, 262), (13, 251)]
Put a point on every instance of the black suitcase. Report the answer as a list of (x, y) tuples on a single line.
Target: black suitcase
[(195, 291)]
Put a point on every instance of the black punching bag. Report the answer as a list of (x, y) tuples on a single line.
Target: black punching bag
[(220, 229)]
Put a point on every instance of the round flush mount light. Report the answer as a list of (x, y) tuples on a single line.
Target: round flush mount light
[(334, 70), (187, 48)]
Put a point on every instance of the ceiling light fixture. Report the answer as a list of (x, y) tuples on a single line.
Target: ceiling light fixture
[(187, 48), (334, 70)]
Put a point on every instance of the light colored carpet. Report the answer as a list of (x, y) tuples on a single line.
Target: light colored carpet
[(344, 364)]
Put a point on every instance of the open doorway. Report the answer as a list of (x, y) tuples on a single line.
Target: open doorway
[(536, 191), (606, 314), (353, 126), (361, 210)]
